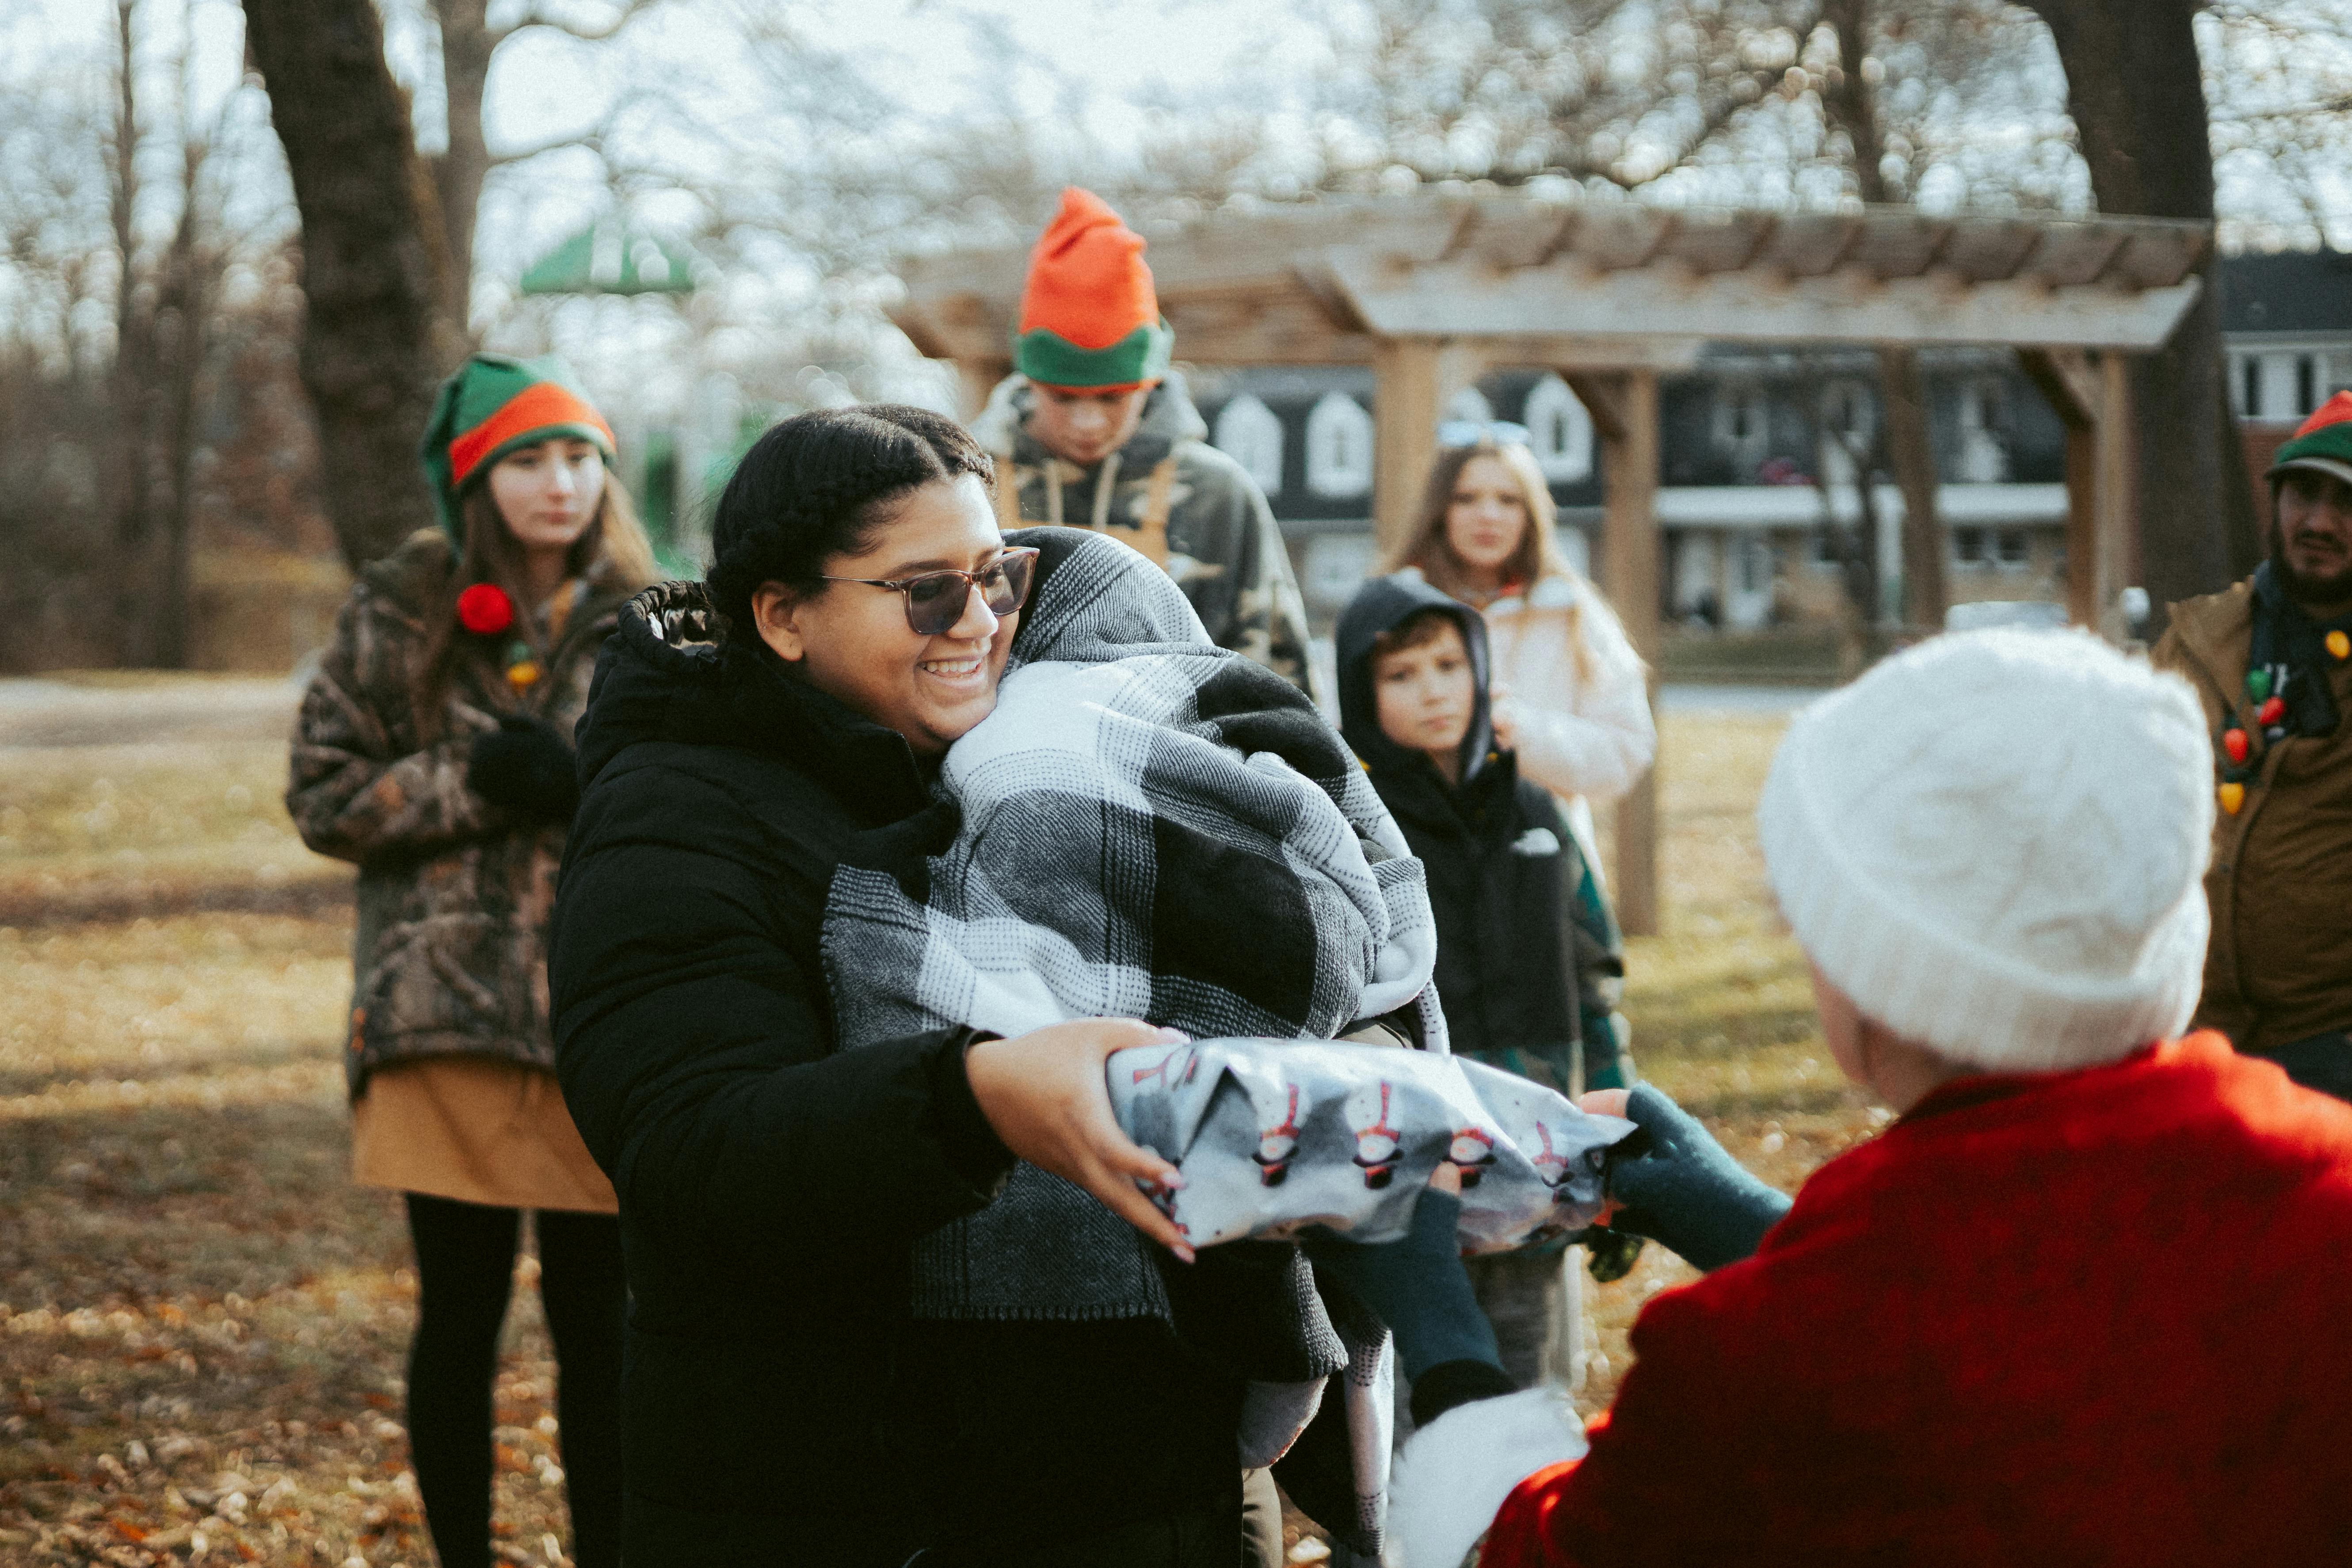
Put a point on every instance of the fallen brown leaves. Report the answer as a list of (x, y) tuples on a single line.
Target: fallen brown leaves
[(203, 1323)]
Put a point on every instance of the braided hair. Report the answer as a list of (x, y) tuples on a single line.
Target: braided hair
[(819, 484)]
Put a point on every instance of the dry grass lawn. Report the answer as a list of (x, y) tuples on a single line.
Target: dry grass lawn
[(202, 1322)]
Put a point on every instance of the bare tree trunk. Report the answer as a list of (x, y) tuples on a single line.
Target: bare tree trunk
[(2137, 98), (1910, 447), (131, 395), (185, 301), (467, 45), (1911, 454), (370, 273)]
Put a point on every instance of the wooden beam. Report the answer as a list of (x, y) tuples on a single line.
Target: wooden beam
[(2068, 380), (1603, 398), (2092, 396), (1416, 378), (1566, 296), (1629, 554)]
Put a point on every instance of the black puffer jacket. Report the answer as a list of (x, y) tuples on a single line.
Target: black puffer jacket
[(780, 1406), (1503, 867)]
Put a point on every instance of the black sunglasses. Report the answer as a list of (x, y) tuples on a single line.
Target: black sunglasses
[(937, 600)]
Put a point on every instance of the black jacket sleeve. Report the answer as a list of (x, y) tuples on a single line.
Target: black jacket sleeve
[(696, 1050)]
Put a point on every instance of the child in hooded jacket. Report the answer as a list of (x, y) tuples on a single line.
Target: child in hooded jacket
[(1528, 958)]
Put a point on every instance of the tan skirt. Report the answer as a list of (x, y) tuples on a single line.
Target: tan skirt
[(477, 1129)]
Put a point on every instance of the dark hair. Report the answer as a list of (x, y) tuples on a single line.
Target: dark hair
[(1421, 627), (819, 484)]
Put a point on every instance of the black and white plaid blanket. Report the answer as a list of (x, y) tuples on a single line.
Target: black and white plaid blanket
[(1151, 827)]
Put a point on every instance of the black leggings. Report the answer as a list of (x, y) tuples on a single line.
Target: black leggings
[(464, 1268)]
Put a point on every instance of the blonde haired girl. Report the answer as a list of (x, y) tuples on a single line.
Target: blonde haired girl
[(1571, 697)]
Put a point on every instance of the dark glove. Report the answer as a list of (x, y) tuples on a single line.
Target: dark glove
[(1684, 1192), (524, 765), (1418, 1286), (1609, 1255)]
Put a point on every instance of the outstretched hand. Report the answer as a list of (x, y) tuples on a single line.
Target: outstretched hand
[(1045, 1096), (1684, 1190)]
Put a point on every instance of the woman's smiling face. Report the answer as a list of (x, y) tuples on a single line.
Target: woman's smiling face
[(851, 640)]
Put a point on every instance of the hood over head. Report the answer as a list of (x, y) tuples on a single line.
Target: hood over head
[(1381, 605), (1112, 603)]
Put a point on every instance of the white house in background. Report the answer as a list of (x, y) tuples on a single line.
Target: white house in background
[(1339, 447), (2286, 321), (1758, 503), (1251, 434)]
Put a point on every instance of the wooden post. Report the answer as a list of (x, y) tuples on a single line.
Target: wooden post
[(1416, 378), (2115, 566), (2092, 400), (1625, 416)]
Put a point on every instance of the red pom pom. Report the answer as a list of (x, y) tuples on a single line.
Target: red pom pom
[(485, 608)]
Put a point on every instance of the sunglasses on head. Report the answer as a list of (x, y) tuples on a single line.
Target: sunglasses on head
[(937, 600)]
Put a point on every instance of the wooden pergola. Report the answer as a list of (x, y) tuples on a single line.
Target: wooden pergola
[(1432, 290)]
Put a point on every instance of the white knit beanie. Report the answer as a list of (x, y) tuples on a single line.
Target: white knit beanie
[(1995, 844)]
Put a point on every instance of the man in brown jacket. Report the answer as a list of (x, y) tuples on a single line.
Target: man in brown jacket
[(2271, 659)]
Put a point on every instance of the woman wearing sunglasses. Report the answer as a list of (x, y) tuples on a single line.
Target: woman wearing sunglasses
[(747, 737)]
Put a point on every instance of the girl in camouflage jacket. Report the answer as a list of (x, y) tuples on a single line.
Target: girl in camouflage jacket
[(433, 751)]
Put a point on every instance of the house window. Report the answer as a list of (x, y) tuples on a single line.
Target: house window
[(1742, 421), (1849, 424), (1338, 447), (2306, 384), (1984, 422), (1251, 435), (1755, 566), (1849, 411), (2250, 387), (1561, 430), (1968, 546), (2009, 548), (1470, 407)]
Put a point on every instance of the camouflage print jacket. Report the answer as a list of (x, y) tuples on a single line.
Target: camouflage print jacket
[(454, 893), (1189, 506)]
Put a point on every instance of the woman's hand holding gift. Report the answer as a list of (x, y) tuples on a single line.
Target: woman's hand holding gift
[(1043, 1095)]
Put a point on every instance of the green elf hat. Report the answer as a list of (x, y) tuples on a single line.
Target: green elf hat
[(1090, 319), (2322, 442), (493, 406)]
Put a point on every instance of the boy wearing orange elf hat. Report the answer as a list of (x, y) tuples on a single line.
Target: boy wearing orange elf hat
[(1095, 430), (2271, 659)]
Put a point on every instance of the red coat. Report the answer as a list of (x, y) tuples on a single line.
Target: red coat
[(2102, 1317)]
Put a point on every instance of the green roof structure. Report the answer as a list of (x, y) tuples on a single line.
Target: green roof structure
[(612, 256)]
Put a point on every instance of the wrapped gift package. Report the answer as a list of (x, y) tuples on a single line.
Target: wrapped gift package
[(1275, 1137)]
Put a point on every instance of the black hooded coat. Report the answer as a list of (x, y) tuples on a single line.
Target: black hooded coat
[(780, 1403), (1501, 861)]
